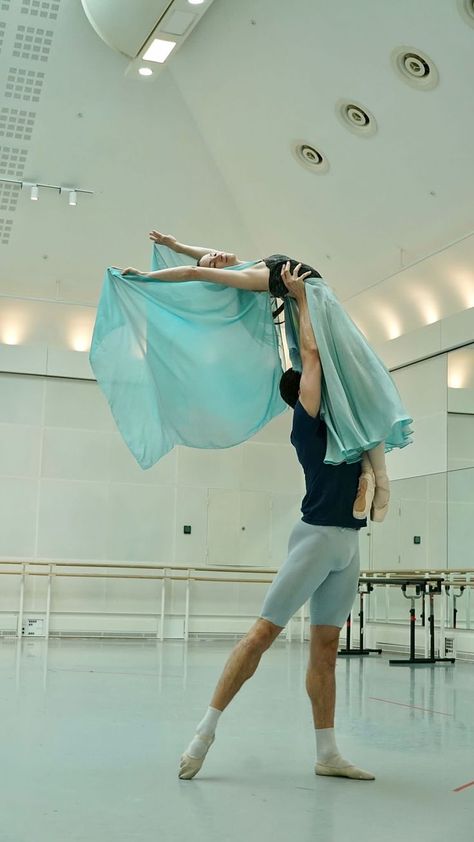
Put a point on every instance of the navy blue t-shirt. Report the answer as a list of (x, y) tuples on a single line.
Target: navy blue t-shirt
[(330, 489)]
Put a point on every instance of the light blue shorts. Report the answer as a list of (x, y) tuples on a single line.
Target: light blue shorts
[(322, 566)]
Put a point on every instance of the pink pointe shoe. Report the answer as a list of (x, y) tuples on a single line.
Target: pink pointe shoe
[(365, 495)]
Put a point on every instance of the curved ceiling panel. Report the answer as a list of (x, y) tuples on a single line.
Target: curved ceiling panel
[(125, 26)]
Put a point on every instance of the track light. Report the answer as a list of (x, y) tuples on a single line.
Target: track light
[(57, 188)]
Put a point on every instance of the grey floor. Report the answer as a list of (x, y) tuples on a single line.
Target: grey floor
[(91, 733)]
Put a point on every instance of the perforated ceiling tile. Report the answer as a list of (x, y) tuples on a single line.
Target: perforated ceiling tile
[(12, 162), (3, 26), (40, 8), (24, 84), (16, 124), (6, 226), (9, 195), (32, 43), (4, 5)]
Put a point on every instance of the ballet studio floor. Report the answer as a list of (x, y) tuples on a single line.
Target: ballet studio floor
[(92, 732)]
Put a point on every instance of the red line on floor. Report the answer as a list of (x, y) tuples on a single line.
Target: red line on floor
[(403, 705), (464, 786)]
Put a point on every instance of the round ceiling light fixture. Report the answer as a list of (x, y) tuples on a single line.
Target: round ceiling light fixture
[(466, 10), (309, 157), (145, 71), (356, 118), (415, 68)]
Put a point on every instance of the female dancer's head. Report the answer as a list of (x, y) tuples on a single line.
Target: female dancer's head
[(290, 386), (218, 260)]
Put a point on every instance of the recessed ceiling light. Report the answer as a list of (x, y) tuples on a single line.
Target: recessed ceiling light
[(34, 193), (466, 9), (195, 2), (159, 50), (356, 118), (415, 68), (145, 71), (309, 157)]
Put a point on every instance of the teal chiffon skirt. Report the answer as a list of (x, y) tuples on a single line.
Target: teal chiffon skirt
[(360, 403), (188, 363)]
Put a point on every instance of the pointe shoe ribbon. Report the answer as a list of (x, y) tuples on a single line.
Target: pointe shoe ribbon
[(381, 499)]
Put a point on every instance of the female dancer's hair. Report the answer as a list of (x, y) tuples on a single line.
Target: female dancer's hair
[(290, 386)]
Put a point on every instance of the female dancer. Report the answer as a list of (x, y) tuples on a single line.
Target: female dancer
[(360, 405)]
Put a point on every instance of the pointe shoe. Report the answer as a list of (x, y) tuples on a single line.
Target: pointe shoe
[(365, 496), (381, 499), (189, 766), (348, 771)]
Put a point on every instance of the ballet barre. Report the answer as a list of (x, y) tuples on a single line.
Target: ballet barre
[(460, 578)]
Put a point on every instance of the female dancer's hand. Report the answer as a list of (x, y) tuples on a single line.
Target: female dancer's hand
[(163, 239), (293, 281), (131, 271)]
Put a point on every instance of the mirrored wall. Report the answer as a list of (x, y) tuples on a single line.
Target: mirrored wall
[(430, 525)]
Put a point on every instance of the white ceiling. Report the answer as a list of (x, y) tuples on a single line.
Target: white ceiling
[(204, 151)]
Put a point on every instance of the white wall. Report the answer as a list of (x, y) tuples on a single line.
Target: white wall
[(70, 490), (423, 387)]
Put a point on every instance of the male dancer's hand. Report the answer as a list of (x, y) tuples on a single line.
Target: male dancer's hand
[(293, 281), (163, 239)]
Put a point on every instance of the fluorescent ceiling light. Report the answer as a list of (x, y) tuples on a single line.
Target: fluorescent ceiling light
[(159, 50), (145, 71), (34, 193), (72, 198)]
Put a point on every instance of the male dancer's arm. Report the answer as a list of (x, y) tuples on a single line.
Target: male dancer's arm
[(310, 383)]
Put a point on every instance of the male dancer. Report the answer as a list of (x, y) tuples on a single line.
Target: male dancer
[(322, 566)]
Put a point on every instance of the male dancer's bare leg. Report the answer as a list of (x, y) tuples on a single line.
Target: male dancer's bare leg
[(321, 688), (241, 665)]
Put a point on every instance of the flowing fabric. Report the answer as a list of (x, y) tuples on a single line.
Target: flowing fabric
[(360, 403), (190, 363)]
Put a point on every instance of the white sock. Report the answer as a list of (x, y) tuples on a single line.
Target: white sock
[(206, 728), (329, 760), (326, 746)]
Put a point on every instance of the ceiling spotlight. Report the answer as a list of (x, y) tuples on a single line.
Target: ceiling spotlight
[(72, 198), (415, 68), (145, 71), (356, 118), (34, 193), (309, 157), (159, 50), (466, 9)]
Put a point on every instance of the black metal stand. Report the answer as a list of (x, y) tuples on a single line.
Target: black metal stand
[(421, 589), (456, 596), (361, 650)]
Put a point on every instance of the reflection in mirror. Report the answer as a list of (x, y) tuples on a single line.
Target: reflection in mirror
[(461, 537), (461, 408), (417, 511), (412, 538)]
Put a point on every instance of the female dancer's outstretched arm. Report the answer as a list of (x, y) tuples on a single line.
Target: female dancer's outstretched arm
[(253, 278), (181, 248)]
